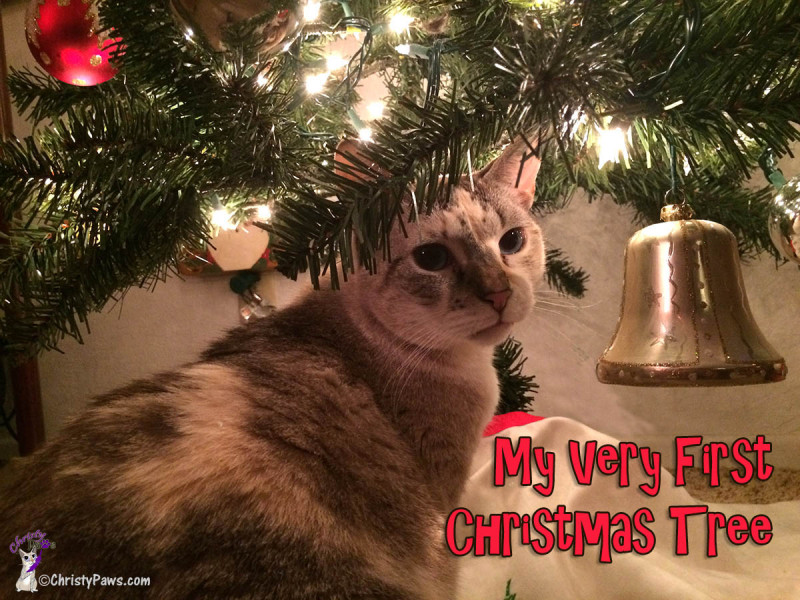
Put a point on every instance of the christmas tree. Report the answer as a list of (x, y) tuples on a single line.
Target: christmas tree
[(207, 120)]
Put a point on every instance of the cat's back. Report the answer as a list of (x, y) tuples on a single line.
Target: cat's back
[(265, 470)]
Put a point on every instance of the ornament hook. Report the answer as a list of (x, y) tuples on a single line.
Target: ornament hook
[(673, 211)]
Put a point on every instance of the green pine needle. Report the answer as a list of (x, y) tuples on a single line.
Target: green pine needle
[(562, 276), (516, 388)]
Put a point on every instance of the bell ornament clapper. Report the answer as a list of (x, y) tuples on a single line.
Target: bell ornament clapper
[(685, 319)]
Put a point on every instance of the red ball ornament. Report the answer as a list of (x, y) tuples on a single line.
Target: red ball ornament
[(63, 37)]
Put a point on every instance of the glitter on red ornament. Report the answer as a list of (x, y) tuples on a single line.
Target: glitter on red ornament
[(63, 38)]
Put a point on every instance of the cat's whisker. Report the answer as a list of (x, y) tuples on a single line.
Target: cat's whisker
[(420, 348), (572, 305), (406, 366), (566, 316), (562, 300), (551, 303), (416, 358), (553, 328)]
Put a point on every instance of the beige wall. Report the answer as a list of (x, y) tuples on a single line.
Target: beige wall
[(160, 330)]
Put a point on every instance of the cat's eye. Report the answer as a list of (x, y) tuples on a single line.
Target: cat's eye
[(512, 241), (432, 257)]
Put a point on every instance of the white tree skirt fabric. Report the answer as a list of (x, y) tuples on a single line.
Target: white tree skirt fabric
[(747, 571)]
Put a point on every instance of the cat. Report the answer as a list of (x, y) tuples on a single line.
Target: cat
[(317, 452), (27, 577)]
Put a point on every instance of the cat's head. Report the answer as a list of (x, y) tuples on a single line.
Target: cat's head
[(466, 272), (27, 557)]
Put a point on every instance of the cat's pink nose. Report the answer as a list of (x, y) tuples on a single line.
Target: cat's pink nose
[(498, 299)]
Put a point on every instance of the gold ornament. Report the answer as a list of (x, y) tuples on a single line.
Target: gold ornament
[(210, 18), (784, 220), (685, 319), (676, 212)]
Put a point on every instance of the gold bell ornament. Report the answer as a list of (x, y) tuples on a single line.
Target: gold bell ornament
[(685, 319)]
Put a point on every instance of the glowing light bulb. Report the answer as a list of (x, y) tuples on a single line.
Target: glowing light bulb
[(403, 49), (365, 134), (610, 143), (263, 213), (746, 139), (316, 83), (222, 218), (400, 22), (261, 80), (311, 10), (375, 110), (189, 33), (336, 62)]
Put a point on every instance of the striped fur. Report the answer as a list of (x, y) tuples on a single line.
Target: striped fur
[(314, 454)]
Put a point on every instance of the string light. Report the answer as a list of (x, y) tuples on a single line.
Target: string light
[(610, 143), (400, 22), (263, 213), (311, 11), (365, 134), (746, 139), (415, 50), (222, 218), (375, 110), (261, 80), (336, 62), (316, 83)]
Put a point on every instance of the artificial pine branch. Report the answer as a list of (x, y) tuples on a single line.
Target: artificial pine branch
[(562, 276), (183, 121), (43, 97), (516, 388)]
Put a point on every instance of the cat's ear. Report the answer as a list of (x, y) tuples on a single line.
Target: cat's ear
[(516, 167), (21, 554), (352, 162)]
